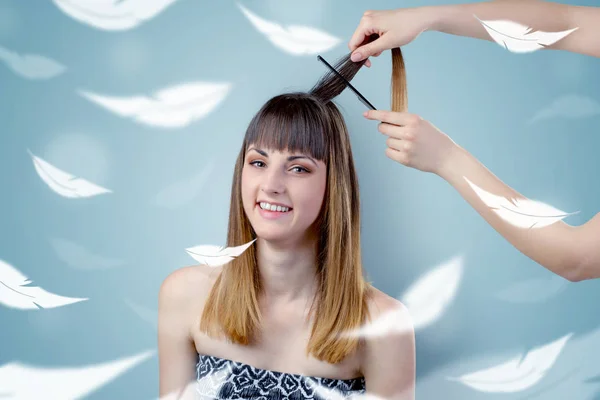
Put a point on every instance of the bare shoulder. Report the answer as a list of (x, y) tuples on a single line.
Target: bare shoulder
[(186, 287), (381, 304), (391, 325)]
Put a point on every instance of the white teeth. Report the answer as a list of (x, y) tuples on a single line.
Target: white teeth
[(267, 206)]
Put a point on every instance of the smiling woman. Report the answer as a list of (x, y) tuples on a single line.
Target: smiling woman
[(278, 321)]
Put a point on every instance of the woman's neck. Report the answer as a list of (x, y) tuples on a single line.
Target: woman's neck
[(288, 273)]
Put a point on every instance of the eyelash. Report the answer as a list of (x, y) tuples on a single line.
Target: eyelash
[(297, 166)]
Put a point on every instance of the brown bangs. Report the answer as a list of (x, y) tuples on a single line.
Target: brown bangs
[(294, 122)]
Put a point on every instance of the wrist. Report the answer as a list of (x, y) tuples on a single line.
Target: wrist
[(436, 17), (451, 163)]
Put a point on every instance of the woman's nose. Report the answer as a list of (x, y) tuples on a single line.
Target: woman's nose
[(273, 181)]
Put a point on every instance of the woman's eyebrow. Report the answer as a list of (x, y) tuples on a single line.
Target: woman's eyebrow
[(290, 158)]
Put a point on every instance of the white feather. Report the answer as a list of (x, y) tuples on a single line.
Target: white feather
[(172, 107), (215, 256), (519, 38), (31, 66), (296, 40), (568, 106), (64, 183), (516, 375), (184, 191), (523, 213), (78, 257), (534, 290), (20, 381), (113, 15), (426, 300), (14, 293), (145, 313), (205, 388), (325, 392)]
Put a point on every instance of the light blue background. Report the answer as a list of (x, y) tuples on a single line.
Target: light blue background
[(478, 93)]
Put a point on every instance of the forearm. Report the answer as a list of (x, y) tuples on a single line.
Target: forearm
[(539, 15), (559, 247)]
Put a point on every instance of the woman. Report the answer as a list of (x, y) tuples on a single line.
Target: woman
[(271, 323), (572, 252)]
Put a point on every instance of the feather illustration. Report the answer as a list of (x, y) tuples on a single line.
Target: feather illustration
[(534, 290), (64, 183), (215, 256), (426, 300), (183, 192), (523, 213), (61, 383), (389, 322), (205, 388), (14, 293), (78, 257), (517, 374), (113, 15), (31, 66), (569, 378), (146, 314), (326, 392), (569, 106), (519, 38), (296, 40), (173, 107)]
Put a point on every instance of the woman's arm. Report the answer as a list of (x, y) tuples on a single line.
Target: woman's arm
[(401, 26), (572, 252), (539, 15), (176, 351)]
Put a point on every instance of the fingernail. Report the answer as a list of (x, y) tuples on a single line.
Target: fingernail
[(356, 57), (366, 114)]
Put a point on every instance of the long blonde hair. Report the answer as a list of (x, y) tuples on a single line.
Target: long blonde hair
[(312, 124)]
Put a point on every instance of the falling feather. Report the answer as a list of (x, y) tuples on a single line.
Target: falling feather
[(295, 40), (519, 38), (534, 290), (517, 374), (426, 300), (325, 392), (14, 293), (173, 107), (113, 15), (64, 183), (215, 256), (21, 381), (31, 66), (523, 213)]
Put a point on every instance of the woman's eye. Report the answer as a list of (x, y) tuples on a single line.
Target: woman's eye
[(302, 168), (254, 162)]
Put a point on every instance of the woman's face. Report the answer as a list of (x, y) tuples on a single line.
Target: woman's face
[(296, 181)]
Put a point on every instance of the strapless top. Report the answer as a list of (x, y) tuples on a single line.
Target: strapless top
[(224, 379)]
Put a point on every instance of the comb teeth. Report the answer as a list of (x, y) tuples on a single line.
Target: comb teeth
[(356, 92)]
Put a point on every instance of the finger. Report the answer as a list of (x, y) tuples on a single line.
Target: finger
[(394, 131), (367, 50), (360, 35), (397, 144), (391, 117), (397, 156), (368, 63)]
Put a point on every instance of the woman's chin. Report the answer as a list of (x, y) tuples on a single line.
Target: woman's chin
[(270, 234)]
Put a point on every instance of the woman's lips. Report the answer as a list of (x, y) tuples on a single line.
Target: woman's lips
[(267, 214)]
